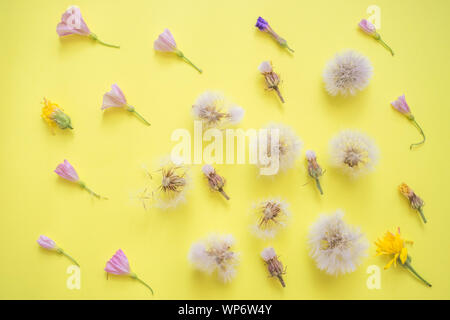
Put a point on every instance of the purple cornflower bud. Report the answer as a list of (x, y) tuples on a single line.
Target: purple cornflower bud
[(263, 25)]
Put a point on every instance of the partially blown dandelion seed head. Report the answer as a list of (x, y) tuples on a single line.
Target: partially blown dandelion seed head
[(173, 181), (271, 215), (337, 247), (354, 152), (215, 111), (215, 254), (347, 73), (287, 148)]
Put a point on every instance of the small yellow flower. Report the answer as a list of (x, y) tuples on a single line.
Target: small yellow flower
[(393, 244), (414, 200), (55, 116)]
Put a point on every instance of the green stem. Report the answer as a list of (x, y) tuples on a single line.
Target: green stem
[(408, 266), (386, 46), (134, 276), (179, 53), (94, 37), (421, 132), (91, 192), (291, 50), (422, 215), (61, 251), (224, 194), (141, 117), (319, 186)]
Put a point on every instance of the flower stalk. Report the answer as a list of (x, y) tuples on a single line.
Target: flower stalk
[(408, 266), (94, 37)]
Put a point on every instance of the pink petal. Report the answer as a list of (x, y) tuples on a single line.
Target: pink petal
[(165, 42), (114, 98)]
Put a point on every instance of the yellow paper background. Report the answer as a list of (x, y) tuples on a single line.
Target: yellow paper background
[(108, 149)]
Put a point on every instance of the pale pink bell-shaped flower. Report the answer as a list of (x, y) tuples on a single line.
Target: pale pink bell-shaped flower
[(49, 244), (72, 23), (116, 99), (371, 30), (367, 27), (66, 171), (166, 43), (120, 266), (46, 243), (401, 105)]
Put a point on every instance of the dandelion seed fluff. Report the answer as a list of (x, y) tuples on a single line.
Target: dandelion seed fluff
[(353, 152), (271, 216), (337, 247), (287, 147), (215, 111), (215, 254), (347, 73)]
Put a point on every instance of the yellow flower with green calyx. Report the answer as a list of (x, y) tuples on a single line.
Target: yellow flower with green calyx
[(55, 116), (393, 244)]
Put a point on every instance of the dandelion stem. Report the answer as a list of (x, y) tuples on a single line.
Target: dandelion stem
[(134, 276), (422, 215), (224, 194), (61, 251), (281, 280), (384, 44), (421, 132), (408, 266), (319, 186), (279, 93), (140, 117)]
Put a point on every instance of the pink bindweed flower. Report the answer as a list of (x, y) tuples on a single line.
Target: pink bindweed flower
[(215, 181), (166, 43), (120, 266), (66, 171), (49, 244), (401, 106), (116, 99), (370, 29), (314, 170), (72, 22)]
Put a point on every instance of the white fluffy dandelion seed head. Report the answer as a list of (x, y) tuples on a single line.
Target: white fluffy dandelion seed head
[(215, 254), (268, 254), (287, 147), (208, 169), (265, 67), (347, 73), (337, 247), (170, 199), (353, 152), (215, 111), (236, 114), (271, 215), (310, 155)]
